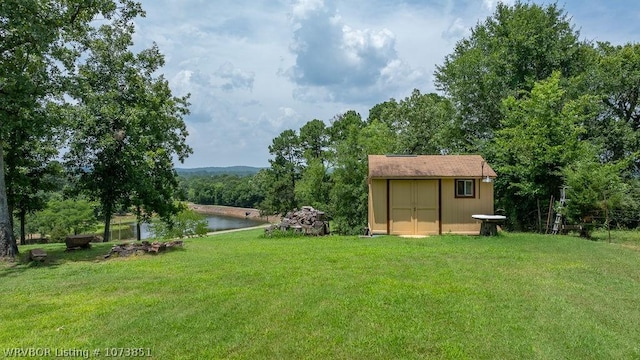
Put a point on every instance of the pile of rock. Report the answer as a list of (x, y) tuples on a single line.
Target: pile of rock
[(142, 248), (306, 220)]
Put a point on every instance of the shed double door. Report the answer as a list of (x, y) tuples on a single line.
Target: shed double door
[(413, 207)]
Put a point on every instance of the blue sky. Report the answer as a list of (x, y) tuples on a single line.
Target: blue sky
[(256, 68)]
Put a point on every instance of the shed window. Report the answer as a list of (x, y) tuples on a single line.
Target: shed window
[(465, 188)]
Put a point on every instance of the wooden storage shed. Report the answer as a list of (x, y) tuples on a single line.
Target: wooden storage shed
[(428, 194)]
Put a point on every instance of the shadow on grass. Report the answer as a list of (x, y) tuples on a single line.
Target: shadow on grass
[(58, 255)]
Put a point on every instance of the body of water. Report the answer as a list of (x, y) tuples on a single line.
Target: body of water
[(215, 223)]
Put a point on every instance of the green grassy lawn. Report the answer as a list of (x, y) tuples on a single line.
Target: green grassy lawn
[(237, 295)]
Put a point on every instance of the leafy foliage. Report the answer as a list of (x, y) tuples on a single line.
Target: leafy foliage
[(40, 43), (314, 185), (313, 140), (421, 123), (186, 223), (126, 127), (226, 189), (349, 192), (539, 138), (283, 174), (280, 234), (615, 79), (64, 217), (506, 54), (595, 190)]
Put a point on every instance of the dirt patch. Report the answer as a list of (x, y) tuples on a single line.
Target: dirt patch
[(635, 247), (244, 213)]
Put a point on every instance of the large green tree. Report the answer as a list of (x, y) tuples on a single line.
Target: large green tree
[(68, 216), (341, 127), (595, 189), (421, 123), (35, 49), (314, 185), (540, 136), (314, 140), (31, 176), (279, 196), (615, 79), (504, 56), (127, 126), (350, 190)]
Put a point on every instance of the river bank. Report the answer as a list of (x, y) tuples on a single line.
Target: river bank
[(245, 213)]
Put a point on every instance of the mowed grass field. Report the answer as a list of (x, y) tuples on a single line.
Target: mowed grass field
[(237, 295)]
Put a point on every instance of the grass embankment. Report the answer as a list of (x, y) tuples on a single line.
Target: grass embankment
[(240, 296)]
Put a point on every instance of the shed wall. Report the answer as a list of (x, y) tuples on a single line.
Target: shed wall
[(456, 212), (378, 206)]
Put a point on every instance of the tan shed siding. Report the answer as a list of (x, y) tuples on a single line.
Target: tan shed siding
[(401, 203), (426, 212), (456, 212), (487, 198), (413, 207), (378, 206)]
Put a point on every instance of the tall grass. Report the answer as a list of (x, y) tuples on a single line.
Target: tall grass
[(240, 295)]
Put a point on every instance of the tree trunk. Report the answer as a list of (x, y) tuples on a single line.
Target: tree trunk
[(107, 223), (8, 246), (23, 220), (139, 213), (10, 211)]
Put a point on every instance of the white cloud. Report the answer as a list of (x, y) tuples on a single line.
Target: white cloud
[(257, 68), (456, 30), (302, 8), (235, 78), (337, 62), (286, 116), (491, 4)]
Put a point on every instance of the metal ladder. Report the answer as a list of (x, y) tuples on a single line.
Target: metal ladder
[(557, 224)]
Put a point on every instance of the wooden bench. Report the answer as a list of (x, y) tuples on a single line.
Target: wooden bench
[(489, 226), (37, 255)]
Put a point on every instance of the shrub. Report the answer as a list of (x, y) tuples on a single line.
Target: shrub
[(58, 234), (277, 233), (186, 223)]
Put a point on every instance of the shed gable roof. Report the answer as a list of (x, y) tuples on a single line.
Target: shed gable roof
[(434, 166)]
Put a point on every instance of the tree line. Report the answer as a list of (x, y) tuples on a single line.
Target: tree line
[(546, 108), (221, 189), (69, 80)]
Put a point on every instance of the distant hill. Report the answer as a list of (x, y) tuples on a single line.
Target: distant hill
[(229, 170)]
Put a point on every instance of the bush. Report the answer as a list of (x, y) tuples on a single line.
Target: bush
[(63, 217), (58, 234), (185, 224)]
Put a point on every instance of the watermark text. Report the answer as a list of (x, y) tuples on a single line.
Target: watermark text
[(39, 352)]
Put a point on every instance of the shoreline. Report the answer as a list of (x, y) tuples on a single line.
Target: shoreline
[(244, 213)]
